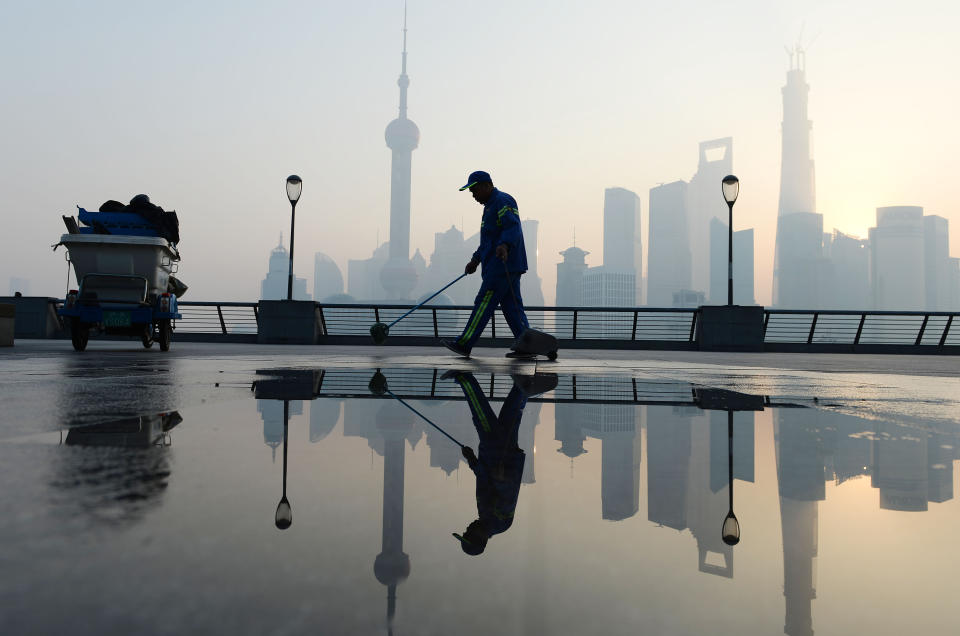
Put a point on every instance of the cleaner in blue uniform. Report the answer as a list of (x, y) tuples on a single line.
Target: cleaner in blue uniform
[(502, 257)]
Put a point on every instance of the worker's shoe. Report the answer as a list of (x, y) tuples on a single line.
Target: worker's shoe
[(456, 347)]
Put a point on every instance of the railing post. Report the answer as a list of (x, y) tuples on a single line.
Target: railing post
[(766, 321), (223, 325), (635, 390), (813, 327), (433, 384), (863, 319), (323, 321), (256, 316), (436, 329), (376, 314), (493, 324), (923, 326), (693, 325), (946, 330), (633, 335), (574, 324)]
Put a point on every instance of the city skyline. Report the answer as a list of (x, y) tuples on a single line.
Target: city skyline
[(230, 116)]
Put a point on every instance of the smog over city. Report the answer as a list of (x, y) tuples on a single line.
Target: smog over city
[(612, 124)]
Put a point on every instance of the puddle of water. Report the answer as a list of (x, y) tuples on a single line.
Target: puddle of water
[(337, 501)]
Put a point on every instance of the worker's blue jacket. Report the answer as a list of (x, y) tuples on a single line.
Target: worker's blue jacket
[(501, 225)]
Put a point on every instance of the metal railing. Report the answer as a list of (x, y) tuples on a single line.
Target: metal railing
[(596, 327), (860, 329)]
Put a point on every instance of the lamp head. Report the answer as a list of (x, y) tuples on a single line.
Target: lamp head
[(731, 188), (294, 186)]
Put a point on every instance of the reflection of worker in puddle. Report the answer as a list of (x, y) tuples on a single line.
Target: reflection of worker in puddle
[(499, 466)]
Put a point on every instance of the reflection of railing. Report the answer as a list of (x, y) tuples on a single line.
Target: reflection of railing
[(428, 384), (598, 327)]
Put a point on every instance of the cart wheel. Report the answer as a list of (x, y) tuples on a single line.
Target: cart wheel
[(147, 337), (165, 333), (79, 334), (552, 356)]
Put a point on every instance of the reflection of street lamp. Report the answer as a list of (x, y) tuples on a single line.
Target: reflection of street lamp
[(294, 185), (731, 188), (731, 527), (284, 516)]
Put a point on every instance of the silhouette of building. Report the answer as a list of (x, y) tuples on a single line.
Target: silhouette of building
[(327, 279), (602, 287), (668, 253), (398, 276), (363, 275), (742, 264), (847, 284), (705, 202), (622, 250), (897, 261), (798, 248), (936, 264), (531, 285), (570, 277), (271, 412), (274, 284)]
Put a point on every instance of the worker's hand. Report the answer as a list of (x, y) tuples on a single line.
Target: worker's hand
[(468, 455), (471, 267), (502, 252)]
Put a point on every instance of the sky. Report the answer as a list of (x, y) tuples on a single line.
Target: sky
[(207, 107)]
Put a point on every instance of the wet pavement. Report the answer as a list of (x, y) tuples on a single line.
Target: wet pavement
[(283, 490)]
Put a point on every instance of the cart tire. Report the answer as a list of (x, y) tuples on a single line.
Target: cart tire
[(164, 334), (79, 334), (552, 356), (147, 337)]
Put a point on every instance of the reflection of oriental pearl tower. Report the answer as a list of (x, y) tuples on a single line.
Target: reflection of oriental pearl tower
[(398, 276)]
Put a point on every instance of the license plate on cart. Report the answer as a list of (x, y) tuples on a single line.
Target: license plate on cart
[(116, 319)]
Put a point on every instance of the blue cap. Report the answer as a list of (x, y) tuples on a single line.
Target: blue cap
[(477, 176)]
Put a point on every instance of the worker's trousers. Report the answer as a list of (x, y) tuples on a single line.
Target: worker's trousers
[(495, 292)]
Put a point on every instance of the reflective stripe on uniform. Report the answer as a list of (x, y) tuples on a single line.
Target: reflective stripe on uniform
[(481, 309), (475, 404), (503, 211)]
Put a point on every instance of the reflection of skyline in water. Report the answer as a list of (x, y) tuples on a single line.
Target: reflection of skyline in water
[(686, 473)]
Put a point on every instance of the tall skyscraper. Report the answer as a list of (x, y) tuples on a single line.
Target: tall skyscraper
[(705, 202), (531, 286), (897, 259), (622, 251), (398, 276), (668, 254), (798, 249)]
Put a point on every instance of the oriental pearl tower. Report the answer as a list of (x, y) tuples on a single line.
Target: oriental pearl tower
[(398, 276)]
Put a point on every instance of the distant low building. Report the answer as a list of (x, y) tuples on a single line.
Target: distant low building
[(327, 279), (274, 285)]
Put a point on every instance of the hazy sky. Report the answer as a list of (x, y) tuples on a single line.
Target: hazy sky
[(208, 106)]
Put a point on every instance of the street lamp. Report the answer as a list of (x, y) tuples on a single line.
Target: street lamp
[(294, 186), (731, 188)]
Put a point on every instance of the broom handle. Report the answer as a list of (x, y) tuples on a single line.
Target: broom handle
[(435, 294)]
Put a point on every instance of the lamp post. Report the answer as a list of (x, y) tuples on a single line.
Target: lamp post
[(294, 186), (731, 188)]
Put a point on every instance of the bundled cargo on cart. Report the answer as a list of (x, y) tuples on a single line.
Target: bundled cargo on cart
[(124, 258)]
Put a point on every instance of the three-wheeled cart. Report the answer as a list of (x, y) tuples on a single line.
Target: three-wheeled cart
[(123, 288)]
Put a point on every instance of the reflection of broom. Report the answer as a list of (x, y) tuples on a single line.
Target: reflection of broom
[(378, 386), (379, 331)]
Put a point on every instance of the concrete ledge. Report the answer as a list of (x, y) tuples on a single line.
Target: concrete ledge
[(36, 317), (8, 314), (730, 328), (288, 322)]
